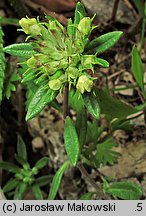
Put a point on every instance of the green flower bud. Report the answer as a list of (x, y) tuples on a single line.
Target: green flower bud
[(75, 59), (84, 83), (34, 171), (31, 62), (26, 180), (85, 25), (72, 72), (30, 26), (19, 176), (55, 84), (52, 25)]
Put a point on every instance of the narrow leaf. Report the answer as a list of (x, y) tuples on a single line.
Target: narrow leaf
[(57, 180), (71, 141), (9, 167), (76, 100), (2, 64), (91, 103), (37, 192), (87, 196), (125, 190), (21, 148), (20, 49), (41, 98), (137, 68), (81, 126), (10, 185), (20, 190), (79, 13), (43, 180), (140, 6), (103, 43), (42, 162)]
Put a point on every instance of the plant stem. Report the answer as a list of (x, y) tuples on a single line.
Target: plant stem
[(92, 182), (65, 100), (142, 34), (115, 8)]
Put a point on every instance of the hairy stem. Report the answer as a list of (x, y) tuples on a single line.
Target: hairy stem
[(65, 100)]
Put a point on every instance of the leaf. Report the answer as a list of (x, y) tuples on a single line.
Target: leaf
[(137, 68), (9, 167), (57, 180), (70, 28), (21, 148), (91, 103), (10, 185), (20, 190), (111, 106), (76, 100), (140, 6), (42, 162), (43, 180), (103, 43), (20, 49), (2, 63), (87, 196), (81, 126), (125, 190), (71, 141), (9, 21), (79, 13), (21, 161), (41, 98), (37, 192), (104, 153), (10, 86)]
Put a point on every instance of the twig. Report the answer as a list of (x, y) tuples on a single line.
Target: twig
[(65, 100), (62, 19), (115, 8), (130, 6), (92, 182)]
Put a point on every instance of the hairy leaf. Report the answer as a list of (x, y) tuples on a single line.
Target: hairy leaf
[(57, 180), (42, 162), (37, 192), (79, 13), (103, 43), (71, 141), (76, 100), (19, 50), (9, 167), (10, 185), (91, 103), (40, 99), (113, 107), (125, 190), (137, 68), (21, 148), (43, 180), (87, 196), (105, 154)]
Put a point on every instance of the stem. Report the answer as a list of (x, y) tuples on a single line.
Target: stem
[(115, 8), (142, 34), (65, 100), (92, 182)]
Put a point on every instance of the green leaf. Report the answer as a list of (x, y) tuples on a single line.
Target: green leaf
[(102, 62), (10, 185), (42, 162), (21, 148), (9, 21), (20, 190), (41, 98), (137, 68), (71, 141), (111, 106), (2, 64), (87, 196), (91, 103), (43, 180), (76, 100), (21, 161), (57, 180), (81, 126), (19, 50), (103, 43), (125, 190), (104, 153), (79, 13), (9, 167), (10, 85), (70, 28), (140, 6), (37, 192)]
